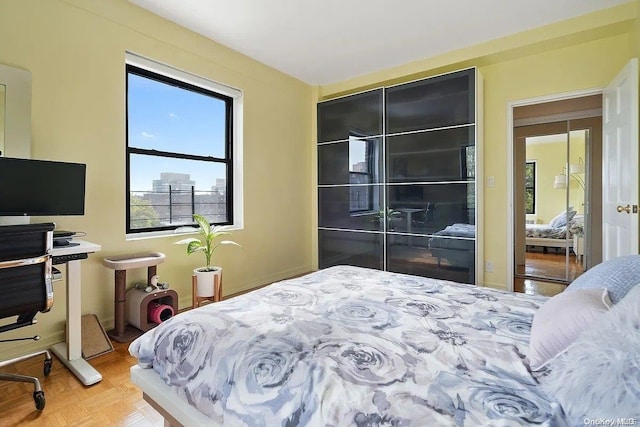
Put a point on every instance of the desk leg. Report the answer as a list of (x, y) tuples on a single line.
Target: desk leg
[(70, 353), (409, 238)]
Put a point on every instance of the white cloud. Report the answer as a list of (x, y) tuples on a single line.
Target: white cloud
[(173, 116), (147, 135)]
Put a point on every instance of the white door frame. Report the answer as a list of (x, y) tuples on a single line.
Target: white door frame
[(510, 166)]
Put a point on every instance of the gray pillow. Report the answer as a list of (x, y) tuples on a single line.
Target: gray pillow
[(560, 321), (598, 377), (617, 275), (562, 218)]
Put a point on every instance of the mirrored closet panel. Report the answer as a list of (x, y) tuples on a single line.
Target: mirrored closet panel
[(557, 169), (397, 178)]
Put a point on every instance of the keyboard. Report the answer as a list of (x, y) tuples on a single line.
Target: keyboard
[(61, 259)]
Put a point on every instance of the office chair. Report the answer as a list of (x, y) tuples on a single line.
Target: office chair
[(25, 287)]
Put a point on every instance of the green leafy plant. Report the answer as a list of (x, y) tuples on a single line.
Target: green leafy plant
[(391, 214), (207, 243)]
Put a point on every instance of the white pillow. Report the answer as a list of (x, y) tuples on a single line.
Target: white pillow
[(598, 377), (560, 320)]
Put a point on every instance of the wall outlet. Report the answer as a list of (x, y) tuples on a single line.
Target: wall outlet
[(488, 266), (491, 181)]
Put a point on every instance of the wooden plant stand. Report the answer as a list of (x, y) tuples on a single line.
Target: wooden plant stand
[(217, 291)]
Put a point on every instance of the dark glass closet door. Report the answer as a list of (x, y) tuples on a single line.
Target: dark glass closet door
[(396, 179), (350, 248), (356, 161), (349, 207), (432, 156), (356, 115), (442, 101)]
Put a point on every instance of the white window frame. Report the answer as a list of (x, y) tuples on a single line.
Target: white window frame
[(237, 139)]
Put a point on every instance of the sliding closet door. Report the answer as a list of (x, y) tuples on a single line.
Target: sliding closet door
[(397, 178), (430, 180), (350, 181)]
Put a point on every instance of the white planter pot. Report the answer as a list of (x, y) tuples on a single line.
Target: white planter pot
[(205, 279)]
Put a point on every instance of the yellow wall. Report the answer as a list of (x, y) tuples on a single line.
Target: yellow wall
[(577, 54), (75, 50)]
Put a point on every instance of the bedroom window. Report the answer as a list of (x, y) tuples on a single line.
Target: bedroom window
[(183, 146), (530, 187)]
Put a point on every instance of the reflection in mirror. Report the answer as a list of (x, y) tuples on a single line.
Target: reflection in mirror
[(364, 170), (2, 108), (553, 177), (557, 192)]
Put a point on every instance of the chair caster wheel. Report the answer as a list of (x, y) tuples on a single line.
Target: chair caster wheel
[(38, 398), (47, 367)]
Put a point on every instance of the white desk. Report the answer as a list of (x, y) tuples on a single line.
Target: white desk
[(70, 352)]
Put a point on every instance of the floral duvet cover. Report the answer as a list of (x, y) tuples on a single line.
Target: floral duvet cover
[(348, 346)]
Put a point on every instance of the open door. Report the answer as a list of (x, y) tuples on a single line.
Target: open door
[(620, 165)]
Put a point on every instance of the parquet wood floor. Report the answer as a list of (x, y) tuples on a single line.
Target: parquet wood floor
[(114, 401), (537, 287), (530, 278)]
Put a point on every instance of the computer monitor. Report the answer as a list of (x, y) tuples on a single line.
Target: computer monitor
[(41, 188)]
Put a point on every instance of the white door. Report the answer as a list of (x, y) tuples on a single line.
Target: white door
[(620, 164)]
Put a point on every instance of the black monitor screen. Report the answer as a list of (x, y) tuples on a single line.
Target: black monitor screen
[(40, 187)]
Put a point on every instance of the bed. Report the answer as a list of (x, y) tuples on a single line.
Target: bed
[(456, 244), (554, 235), (348, 346)]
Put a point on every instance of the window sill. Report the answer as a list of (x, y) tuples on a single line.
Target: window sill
[(170, 233)]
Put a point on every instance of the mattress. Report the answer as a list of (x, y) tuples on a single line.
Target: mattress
[(351, 346)]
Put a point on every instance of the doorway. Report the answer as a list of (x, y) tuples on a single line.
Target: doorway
[(557, 168)]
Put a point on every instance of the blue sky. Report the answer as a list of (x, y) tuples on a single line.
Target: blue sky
[(167, 118), (357, 151)]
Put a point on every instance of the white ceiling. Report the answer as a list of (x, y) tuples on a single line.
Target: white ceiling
[(326, 41)]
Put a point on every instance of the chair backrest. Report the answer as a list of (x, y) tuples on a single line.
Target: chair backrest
[(25, 271)]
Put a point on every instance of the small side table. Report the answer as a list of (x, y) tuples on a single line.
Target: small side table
[(217, 291)]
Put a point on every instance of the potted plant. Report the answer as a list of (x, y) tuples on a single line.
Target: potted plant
[(390, 214), (206, 276)]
